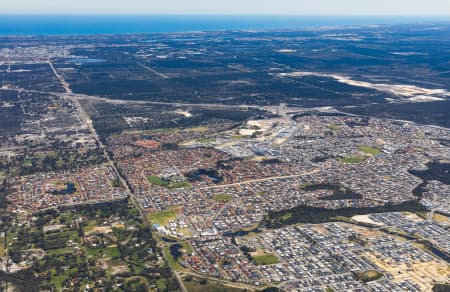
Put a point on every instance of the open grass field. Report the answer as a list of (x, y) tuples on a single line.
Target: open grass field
[(206, 140), (236, 137), (2, 246), (91, 225), (185, 231), (157, 181), (267, 259), (108, 252), (223, 198), (186, 248), (333, 127), (369, 150), (59, 240), (286, 216), (173, 263), (163, 217), (61, 251), (58, 279), (161, 284), (198, 129), (352, 159)]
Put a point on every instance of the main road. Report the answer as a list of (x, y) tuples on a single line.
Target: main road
[(88, 122)]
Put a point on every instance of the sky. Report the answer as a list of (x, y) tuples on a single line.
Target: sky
[(300, 7)]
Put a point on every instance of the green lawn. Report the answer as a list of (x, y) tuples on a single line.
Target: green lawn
[(91, 225), (109, 252), (198, 129), (236, 137), (187, 249), (223, 198), (59, 240), (113, 251), (333, 127), (286, 216), (60, 251), (206, 140), (177, 185), (369, 150), (161, 284), (163, 217), (156, 180), (171, 260), (57, 281), (27, 163), (2, 246), (267, 259), (352, 159)]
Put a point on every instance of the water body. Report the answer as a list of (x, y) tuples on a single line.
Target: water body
[(175, 250), (110, 24), (168, 240), (211, 173), (436, 171), (69, 190), (440, 254)]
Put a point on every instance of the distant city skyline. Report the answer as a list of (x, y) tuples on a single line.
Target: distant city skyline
[(291, 7)]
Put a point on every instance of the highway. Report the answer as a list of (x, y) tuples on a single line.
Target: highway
[(85, 118)]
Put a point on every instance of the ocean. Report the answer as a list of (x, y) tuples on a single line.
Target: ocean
[(124, 24)]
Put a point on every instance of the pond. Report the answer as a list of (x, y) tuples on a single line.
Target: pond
[(175, 250), (211, 173)]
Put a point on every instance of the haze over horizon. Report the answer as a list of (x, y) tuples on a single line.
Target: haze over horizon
[(234, 7)]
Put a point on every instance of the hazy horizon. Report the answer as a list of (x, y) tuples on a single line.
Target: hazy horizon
[(429, 16), (231, 7), (74, 24)]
